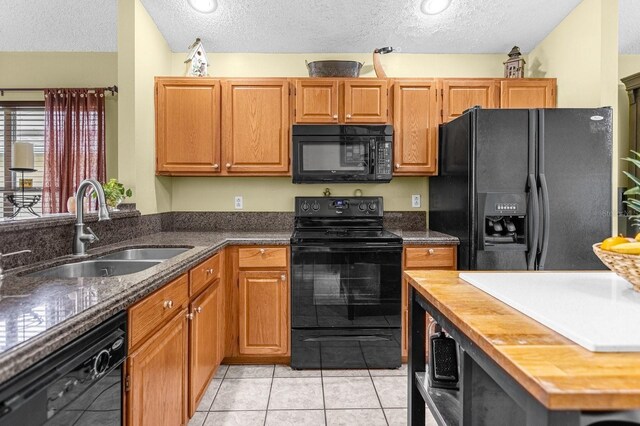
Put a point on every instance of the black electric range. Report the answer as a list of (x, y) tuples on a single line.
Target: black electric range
[(345, 285)]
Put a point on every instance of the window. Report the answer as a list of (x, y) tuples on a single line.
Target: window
[(21, 122)]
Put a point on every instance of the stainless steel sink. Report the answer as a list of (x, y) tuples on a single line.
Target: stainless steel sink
[(153, 253), (96, 268)]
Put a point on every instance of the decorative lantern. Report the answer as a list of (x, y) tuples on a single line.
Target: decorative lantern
[(197, 63), (514, 66)]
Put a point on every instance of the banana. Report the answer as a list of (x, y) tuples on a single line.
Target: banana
[(626, 248)]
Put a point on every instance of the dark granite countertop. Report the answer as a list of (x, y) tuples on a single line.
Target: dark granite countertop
[(40, 315)]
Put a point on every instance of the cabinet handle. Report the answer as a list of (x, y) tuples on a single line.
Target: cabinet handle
[(168, 304), (261, 251), (431, 251), (190, 316), (348, 116), (198, 309), (228, 165), (283, 277), (335, 116), (215, 166)]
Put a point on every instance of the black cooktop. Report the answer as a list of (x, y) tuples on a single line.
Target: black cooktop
[(344, 235)]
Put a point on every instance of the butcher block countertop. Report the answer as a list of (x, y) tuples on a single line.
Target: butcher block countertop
[(559, 373)]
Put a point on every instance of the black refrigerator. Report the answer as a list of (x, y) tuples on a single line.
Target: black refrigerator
[(525, 189)]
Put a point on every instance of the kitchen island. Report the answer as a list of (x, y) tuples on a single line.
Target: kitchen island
[(513, 370)]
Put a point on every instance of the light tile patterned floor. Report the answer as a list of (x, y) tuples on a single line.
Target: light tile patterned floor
[(277, 395)]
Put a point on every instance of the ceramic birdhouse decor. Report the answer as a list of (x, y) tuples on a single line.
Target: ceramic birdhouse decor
[(197, 63), (514, 66)]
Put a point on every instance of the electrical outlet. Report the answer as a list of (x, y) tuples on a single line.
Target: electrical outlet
[(238, 202), (415, 201)]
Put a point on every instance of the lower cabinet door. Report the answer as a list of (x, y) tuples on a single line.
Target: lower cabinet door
[(158, 377), (264, 313), (204, 336)]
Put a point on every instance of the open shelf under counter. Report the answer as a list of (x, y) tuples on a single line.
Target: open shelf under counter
[(444, 404)]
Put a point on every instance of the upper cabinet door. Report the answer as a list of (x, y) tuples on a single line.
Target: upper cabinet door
[(366, 101), (528, 93), (459, 95), (316, 101), (255, 127), (415, 124), (187, 126)]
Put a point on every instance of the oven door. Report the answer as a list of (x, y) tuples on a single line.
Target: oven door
[(333, 158), (346, 286)]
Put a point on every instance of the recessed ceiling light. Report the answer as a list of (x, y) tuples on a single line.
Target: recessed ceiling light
[(204, 6), (433, 7)]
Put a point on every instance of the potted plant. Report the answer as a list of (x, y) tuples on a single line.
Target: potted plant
[(115, 193)]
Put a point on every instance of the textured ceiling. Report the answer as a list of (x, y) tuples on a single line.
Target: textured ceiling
[(58, 25), (629, 27), (468, 26), (291, 26)]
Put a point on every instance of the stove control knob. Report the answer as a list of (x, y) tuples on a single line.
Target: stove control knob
[(315, 206), (362, 207), (304, 206), (373, 206)]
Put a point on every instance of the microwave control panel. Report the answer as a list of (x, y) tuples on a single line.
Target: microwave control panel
[(384, 158)]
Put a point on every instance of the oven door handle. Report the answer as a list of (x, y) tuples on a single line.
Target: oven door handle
[(332, 247)]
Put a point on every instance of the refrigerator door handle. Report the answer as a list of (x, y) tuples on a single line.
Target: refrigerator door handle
[(535, 223), (545, 222)]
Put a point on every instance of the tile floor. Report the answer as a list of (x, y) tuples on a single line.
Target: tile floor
[(277, 395)]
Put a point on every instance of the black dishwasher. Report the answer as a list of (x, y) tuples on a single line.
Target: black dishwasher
[(80, 384)]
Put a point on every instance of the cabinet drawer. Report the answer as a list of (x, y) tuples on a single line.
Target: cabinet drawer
[(148, 314), (430, 257), (203, 274), (258, 257)]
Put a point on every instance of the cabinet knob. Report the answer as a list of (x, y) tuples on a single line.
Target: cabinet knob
[(261, 251), (168, 304), (228, 165), (215, 166), (348, 115), (209, 271), (431, 251), (335, 116), (283, 277), (397, 165), (198, 309), (190, 316)]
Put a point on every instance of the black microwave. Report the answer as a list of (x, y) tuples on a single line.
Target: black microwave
[(342, 153)]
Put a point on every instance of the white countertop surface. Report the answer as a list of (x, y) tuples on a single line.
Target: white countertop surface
[(597, 310)]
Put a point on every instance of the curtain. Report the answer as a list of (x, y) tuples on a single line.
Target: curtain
[(74, 144)]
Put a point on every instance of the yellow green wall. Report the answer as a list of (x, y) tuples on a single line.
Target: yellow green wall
[(65, 69), (144, 53), (582, 53)]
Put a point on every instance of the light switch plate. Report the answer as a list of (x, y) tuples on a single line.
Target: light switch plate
[(415, 201), (238, 202)]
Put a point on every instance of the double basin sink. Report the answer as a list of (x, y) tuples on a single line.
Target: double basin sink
[(121, 262)]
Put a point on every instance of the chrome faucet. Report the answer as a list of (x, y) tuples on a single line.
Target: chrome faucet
[(82, 239)]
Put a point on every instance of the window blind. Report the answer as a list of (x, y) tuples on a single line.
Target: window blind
[(21, 122)]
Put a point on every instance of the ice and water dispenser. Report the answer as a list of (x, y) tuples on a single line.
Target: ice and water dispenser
[(503, 218)]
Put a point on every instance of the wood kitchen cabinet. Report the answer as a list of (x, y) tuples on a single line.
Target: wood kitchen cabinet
[(458, 95), (204, 342), (528, 93), (263, 313), (157, 376), (316, 101), (255, 127), (366, 101), (187, 126), (257, 303), (423, 257), (341, 101), (415, 125)]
